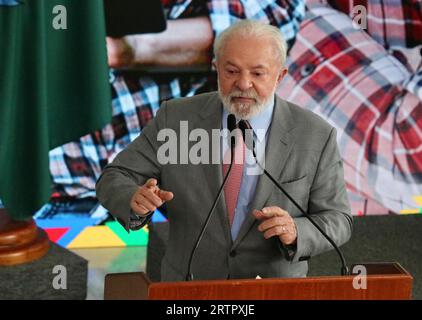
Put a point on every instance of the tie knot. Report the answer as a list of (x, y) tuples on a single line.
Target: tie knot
[(244, 124)]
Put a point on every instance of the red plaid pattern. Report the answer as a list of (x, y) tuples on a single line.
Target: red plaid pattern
[(348, 78), (390, 22)]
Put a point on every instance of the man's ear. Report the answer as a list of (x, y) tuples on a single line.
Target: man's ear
[(214, 64), (282, 74)]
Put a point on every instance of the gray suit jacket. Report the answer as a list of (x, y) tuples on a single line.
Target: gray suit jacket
[(301, 153)]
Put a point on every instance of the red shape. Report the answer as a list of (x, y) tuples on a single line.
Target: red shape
[(56, 233)]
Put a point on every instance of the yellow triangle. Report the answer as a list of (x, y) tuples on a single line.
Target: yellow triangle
[(409, 211), (96, 237), (418, 200)]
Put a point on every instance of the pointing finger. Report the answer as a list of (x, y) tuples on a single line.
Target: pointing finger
[(151, 197), (165, 195)]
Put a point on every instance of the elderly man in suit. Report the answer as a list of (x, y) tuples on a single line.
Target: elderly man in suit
[(255, 230)]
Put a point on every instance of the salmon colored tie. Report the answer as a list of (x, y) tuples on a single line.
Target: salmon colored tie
[(232, 186)]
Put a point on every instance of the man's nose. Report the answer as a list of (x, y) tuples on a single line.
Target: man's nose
[(244, 83)]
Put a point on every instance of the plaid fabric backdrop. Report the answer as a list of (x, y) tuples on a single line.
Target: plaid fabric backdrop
[(374, 100), (389, 22)]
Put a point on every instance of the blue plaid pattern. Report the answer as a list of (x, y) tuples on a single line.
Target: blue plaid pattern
[(287, 15), (75, 166)]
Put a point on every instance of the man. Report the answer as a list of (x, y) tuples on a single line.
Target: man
[(264, 234)]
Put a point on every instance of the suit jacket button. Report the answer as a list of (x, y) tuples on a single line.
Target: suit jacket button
[(233, 253)]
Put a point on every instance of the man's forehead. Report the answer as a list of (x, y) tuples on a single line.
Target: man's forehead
[(252, 65), (254, 48), (253, 43)]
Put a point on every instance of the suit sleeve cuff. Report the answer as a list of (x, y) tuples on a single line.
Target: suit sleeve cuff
[(288, 250), (137, 222)]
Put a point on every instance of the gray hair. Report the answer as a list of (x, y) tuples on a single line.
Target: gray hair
[(252, 28)]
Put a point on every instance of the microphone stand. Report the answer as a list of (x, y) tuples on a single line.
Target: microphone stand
[(230, 120)]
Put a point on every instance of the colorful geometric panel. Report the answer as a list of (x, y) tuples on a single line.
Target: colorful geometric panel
[(55, 234), (158, 217), (416, 210), (74, 225), (83, 232), (409, 211), (418, 200), (134, 238), (96, 237)]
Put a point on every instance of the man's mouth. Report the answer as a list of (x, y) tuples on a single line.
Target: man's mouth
[(243, 100)]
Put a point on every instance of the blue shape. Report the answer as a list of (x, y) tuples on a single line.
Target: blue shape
[(75, 225), (158, 217), (10, 3)]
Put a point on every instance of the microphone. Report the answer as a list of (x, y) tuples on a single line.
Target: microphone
[(231, 125), (246, 128)]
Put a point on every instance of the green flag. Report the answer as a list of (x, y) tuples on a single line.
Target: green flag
[(53, 89)]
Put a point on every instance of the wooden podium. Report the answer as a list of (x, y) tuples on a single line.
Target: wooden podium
[(384, 281)]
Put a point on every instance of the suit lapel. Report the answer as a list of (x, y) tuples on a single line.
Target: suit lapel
[(279, 146)]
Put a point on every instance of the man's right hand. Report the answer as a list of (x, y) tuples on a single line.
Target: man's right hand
[(149, 197)]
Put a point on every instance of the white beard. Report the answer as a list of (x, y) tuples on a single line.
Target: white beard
[(245, 111)]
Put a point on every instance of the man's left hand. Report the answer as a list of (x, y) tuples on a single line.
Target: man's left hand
[(277, 222)]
